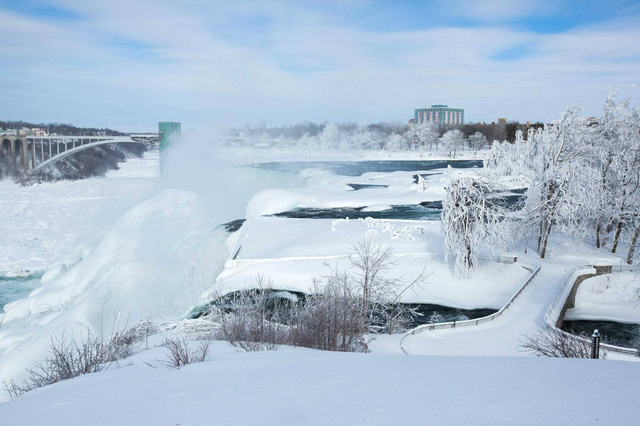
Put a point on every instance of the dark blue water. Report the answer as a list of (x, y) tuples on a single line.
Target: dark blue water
[(428, 210), (409, 212), (615, 333), (432, 314), (234, 225), (358, 187), (357, 168)]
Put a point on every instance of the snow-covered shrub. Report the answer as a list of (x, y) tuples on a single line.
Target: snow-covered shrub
[(343, 308), (253, 321), (68, 358), (331, 319), (552, 342), (181, 352), (435, 318), (137, 333)]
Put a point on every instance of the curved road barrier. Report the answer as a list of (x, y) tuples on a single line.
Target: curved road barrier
[(467, 323), (552, 315)]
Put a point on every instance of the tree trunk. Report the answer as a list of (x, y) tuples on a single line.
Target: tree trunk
[(632, 247), (545, 240), (616, 237), (468, 256), (598, 236), (540, 236)]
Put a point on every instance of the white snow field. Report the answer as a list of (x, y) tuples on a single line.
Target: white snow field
[(44, 222), (607, 297), (306, 387)]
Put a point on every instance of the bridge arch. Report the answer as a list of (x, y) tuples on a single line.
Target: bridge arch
[(85, 143), (6, 149), (19, 151)]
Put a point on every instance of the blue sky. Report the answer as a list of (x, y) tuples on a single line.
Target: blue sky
[(128, 64)]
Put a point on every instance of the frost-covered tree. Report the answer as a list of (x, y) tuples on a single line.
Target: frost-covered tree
[(395, 143), (422, 184), (361, 139), (561, 187), (427, 136), (583, 179), (330, 137), (307, 142), (452, 141), (469, 219), (477, 141), (605, 144), (499, 132), (626, 167)]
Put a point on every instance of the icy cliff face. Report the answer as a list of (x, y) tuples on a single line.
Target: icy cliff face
[(152, 263)]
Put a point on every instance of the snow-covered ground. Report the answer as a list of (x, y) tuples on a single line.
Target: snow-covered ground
[(298, 386), (44, 222), (291, 252), (161, 257), (611, 297)]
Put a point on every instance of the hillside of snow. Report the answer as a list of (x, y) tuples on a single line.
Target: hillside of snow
[(306, 387)]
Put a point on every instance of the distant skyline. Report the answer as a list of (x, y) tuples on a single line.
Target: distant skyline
[(129, 64)]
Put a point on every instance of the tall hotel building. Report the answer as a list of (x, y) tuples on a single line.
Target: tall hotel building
[(440, 115)]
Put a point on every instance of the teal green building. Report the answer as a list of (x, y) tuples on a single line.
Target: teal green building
[(168, 131), (439, 115)]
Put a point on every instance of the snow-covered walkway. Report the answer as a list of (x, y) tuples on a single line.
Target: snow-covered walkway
[(502, 336)]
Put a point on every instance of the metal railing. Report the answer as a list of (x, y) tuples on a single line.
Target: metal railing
[(478, 321), (552, 315)]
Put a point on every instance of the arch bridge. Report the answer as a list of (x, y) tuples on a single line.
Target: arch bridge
[(35, 152)]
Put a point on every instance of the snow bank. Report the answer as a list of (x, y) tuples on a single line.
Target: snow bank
[(377, 208), (291, 252), (297, 386), (608, 297), (277, 237)]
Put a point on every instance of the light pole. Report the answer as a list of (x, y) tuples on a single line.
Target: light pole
[(595, 347)]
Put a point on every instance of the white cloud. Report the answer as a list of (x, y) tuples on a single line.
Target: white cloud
[(300, 65)]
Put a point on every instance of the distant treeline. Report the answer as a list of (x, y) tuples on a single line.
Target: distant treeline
[(59, 128), (492, 131)]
